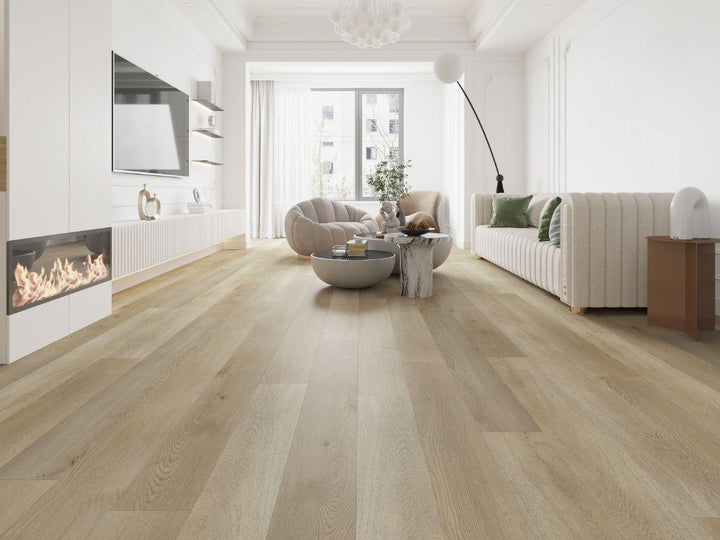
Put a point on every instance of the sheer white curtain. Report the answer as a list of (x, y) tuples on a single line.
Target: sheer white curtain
[(292, 168), (280, 155), (262, 125)]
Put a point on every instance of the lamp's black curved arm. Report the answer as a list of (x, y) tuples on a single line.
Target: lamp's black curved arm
[(499, 176)]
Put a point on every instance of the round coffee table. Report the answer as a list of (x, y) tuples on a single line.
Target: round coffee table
[(440, 253), (353, 273)]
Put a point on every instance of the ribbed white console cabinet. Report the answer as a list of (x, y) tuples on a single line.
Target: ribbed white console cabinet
[(140, 245)]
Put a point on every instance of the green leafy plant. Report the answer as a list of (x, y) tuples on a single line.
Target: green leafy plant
[(388, 181)]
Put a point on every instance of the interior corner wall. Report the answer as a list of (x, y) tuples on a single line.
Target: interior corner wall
[(497, 89), (235, 85), (619, 100), (157, 36)]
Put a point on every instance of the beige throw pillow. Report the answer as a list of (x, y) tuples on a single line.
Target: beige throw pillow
[(535, 208)]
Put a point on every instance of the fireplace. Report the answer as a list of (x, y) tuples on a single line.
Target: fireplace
[(49, 267)]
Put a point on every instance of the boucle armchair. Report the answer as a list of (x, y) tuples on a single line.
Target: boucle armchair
[(319, 224), (419, 205), (602, 258)]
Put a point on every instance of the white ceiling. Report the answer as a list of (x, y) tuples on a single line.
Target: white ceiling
[(502, 26), (424, 8)]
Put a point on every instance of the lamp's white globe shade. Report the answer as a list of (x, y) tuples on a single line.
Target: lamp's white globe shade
[(449, 67)]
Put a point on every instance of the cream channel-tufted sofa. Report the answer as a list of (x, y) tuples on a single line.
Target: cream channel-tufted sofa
[(319, 224), (602, 258)]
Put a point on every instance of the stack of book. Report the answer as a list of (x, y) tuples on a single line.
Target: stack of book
[(357, 248), (197, 208), (339, 251)]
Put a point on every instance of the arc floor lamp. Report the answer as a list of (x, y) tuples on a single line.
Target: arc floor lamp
[(449, 68)]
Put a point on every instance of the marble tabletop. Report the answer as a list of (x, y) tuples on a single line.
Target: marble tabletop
[(427, 238)]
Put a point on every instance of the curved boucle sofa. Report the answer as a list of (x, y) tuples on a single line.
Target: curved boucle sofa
[(602, 258), (319, 224)]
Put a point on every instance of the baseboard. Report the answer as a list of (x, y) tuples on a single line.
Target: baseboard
[(237, 242), (125, 282)]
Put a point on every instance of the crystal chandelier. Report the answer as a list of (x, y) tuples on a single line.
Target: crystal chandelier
[(370, 23)]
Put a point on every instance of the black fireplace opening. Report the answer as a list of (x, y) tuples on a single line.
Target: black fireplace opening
[(49, 267)]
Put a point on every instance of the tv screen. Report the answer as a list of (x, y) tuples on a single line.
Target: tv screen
[(150, 123)]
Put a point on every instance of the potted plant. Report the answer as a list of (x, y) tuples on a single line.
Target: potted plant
[(388, 182)]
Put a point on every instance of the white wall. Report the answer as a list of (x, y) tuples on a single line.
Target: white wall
[(496, 86), (156, 36), (625, 96)]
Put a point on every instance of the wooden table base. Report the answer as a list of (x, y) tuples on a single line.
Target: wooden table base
[(681, 284)]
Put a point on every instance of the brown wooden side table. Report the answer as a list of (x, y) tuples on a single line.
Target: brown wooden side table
[(681, 283)]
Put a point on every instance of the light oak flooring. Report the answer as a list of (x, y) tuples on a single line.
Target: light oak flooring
[(239, 397)]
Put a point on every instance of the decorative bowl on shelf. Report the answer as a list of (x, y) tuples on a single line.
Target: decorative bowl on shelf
[(415, 232)]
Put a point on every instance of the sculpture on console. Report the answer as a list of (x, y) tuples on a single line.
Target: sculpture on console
[(689, 215)]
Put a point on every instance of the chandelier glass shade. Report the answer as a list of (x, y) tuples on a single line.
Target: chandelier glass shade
[(370, 23)]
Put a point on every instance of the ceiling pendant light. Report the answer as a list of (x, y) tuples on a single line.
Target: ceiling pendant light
[(370, 23)]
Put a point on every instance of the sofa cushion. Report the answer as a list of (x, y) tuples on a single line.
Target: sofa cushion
[(519, 251), (555, 226), (545, 217), (535, 208), (509, 211)]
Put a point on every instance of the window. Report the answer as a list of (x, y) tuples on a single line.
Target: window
[(366, 127), (394, 103)]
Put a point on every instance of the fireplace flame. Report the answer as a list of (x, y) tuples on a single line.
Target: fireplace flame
[(33, 287)]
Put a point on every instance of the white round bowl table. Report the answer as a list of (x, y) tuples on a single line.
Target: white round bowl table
[(353, 273)]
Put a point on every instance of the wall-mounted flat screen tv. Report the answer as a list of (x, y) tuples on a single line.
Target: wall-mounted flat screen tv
[(150, 123)]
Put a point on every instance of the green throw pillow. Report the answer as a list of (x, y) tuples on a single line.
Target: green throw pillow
[(510, 211), (545, 217), (555, 226)]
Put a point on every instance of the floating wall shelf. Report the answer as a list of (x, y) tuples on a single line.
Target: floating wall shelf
[(209, 133), (206, 162), (208, 104)]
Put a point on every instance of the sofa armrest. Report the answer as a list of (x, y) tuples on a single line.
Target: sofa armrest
[(480, 213), (604, 246)]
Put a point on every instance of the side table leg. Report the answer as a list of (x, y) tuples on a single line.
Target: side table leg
[(416, 270)]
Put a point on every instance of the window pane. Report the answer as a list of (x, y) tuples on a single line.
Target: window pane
[(382, 111), (333, 148)]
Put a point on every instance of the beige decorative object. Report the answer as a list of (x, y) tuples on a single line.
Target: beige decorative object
[(148, 207), (390, 222)]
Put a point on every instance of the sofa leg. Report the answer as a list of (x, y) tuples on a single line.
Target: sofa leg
[(304, 257), (579, 310)]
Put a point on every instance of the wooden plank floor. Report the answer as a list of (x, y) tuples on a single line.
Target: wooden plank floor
[(239, 397)]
